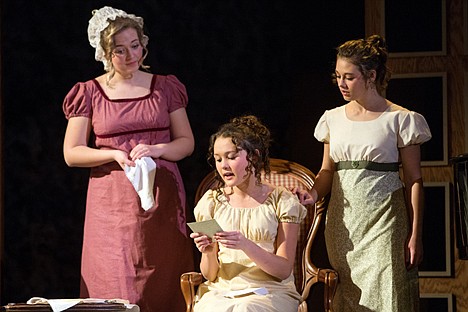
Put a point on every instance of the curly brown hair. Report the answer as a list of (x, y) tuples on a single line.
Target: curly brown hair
[(249, 134)]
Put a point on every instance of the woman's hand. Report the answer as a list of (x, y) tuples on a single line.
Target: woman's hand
[(145, 150), (209, 264), (203, 242), (305, 198), (231, 239), (413, 253), (121, 158)]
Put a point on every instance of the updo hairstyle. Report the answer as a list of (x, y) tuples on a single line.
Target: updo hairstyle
[(368, 54), (249, 134)]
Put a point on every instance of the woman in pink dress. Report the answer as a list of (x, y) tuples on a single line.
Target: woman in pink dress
[(131, 250)]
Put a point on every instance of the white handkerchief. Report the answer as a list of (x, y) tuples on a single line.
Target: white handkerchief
[(142, 178)]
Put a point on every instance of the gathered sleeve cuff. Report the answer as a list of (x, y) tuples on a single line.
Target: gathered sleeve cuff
[(413, 129), (289, 209), (176, 93), (77, 102), (322, 131)]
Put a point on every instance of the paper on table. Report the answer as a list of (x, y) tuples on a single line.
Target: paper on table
[(208, 227), (59, 305)]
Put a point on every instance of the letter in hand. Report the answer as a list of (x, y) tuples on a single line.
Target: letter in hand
[(208, 227), (231, 239), (204, 243), (203, 232)]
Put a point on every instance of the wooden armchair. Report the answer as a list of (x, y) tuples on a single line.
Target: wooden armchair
[(306, 274)]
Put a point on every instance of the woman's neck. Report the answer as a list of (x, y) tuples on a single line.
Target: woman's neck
[(119, 87), (127, 78), (373, 102), (249, 195)]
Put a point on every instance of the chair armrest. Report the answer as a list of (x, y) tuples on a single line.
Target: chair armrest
[(312, 274), (302, 307), (188, 284), (330, 278)]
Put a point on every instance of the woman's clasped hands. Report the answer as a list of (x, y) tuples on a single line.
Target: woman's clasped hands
[(139, 151)]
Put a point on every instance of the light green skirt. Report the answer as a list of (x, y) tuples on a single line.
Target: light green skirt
[(366, 230)]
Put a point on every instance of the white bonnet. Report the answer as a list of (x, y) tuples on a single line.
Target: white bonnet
[(99, 22)]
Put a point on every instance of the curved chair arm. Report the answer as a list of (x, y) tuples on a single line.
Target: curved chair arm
[(302, 307), (311, 274), (188, 283), (330, 279)]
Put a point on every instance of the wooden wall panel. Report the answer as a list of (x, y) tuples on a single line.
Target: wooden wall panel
[(455, 64), (457, 286), (375, 18), (417, 64)]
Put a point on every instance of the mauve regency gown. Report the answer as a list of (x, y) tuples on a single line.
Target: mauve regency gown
[(128, 252)]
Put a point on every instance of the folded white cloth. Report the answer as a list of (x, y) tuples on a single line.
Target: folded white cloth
[(59, 305), (142, 178)]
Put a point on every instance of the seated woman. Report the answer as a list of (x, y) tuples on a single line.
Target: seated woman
[(248, 266)]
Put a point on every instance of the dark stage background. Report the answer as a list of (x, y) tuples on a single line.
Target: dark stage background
[(271, 58)]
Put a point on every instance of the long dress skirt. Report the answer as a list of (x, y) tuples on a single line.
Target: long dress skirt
[(366, 230)]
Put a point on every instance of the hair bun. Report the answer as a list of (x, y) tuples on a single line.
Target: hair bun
[(254, 124), (377, 41)]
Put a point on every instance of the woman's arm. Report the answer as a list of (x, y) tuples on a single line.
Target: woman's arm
[(279, 264), (181, 145), (410, 157), (323, 180), (209, 264), (76, 151)]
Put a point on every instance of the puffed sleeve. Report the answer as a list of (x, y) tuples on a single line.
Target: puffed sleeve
[(413, 129), (289, 209), (204, 210), (77, 102), (176, 93), (322, 131)]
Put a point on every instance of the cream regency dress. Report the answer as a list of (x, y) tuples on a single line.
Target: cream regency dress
[(367, 221), (236, 270)]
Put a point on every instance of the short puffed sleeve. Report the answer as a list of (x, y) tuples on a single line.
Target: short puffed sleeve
[(289, 209), (322, 130), (77, 102), (176, 93), (204, 210), (413, 129)]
